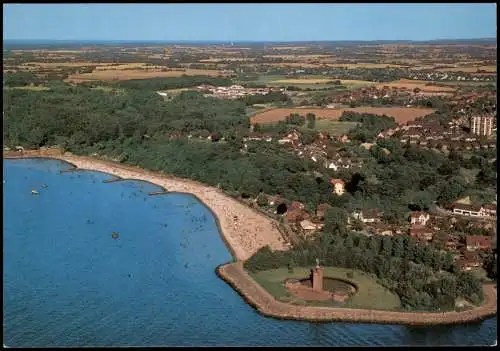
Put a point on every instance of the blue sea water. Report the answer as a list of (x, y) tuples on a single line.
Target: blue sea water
[(67, 282)]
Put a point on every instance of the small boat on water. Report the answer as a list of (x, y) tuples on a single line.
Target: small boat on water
[(115, 235), (45, 186), (34, 192)]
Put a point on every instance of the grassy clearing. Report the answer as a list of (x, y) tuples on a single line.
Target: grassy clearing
[(128, 74), (30, 88), (301, 81), (308, 82), (469, 69), (334, 128), (108, 89), (371, 295)]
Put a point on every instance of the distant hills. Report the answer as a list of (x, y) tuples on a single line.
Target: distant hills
[(27, 44)]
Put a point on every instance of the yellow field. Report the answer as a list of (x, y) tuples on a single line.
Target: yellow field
[(470, 69), (400, 114), (30, 87), (322, 81), (30, 65), (362, 65), (297, 56), (127, 66), (302, 81), (232, 59), (412, 84), (356, 82), (290, 48), (137, 74), (291, 64), (333, 65)]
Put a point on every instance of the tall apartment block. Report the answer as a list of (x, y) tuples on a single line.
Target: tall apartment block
[(482, 125)]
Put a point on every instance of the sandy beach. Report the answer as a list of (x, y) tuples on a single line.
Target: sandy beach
[(244, 229)]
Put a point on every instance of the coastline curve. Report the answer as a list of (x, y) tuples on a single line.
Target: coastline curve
[(235, 275)]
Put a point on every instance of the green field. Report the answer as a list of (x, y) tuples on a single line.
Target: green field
[(108, 89), (371, 295), (271, 81), (334, 128), (29, 87)]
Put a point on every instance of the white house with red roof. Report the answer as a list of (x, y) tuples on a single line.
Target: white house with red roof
[(338, 186)]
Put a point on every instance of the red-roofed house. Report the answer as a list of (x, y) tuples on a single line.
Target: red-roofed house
[(338, 186), (344, 139), (295, 205), (421, 232), (478, 242), (418, 217), (470, 260)]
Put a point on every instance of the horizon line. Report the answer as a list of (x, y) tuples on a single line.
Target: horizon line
[(248, 40)]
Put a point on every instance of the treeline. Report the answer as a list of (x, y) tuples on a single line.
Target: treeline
[(21, 79), (369, 125), (78, 117), (271, 97), (140, 128), (174, 82), (424, 278)]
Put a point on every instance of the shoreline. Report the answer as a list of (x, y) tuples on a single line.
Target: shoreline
[(243, 230), (260, 299), (243, 240)]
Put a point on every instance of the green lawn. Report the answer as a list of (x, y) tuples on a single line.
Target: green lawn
[(371, 295), (108, 89), (29, 87), (270, 81), (334, 128)]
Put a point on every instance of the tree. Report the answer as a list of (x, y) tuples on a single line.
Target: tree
[(311, 120), (335, 220), (490, 265), (449, 192), (486, 177), (262, 200)]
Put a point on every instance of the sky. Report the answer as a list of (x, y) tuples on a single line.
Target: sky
[(248, 22)]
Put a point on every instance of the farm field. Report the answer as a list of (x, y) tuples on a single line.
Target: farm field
[(400, 114), (30, 87), (111, 74), (469, 69), (334, 128), (310, 81), (412, 84), (303, 81)]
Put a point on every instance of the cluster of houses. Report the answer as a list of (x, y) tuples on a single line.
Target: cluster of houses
[(450, 76), (370, 93), (231, 92), (473, 210), (433, 135), (421, 226), (321, 150)]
